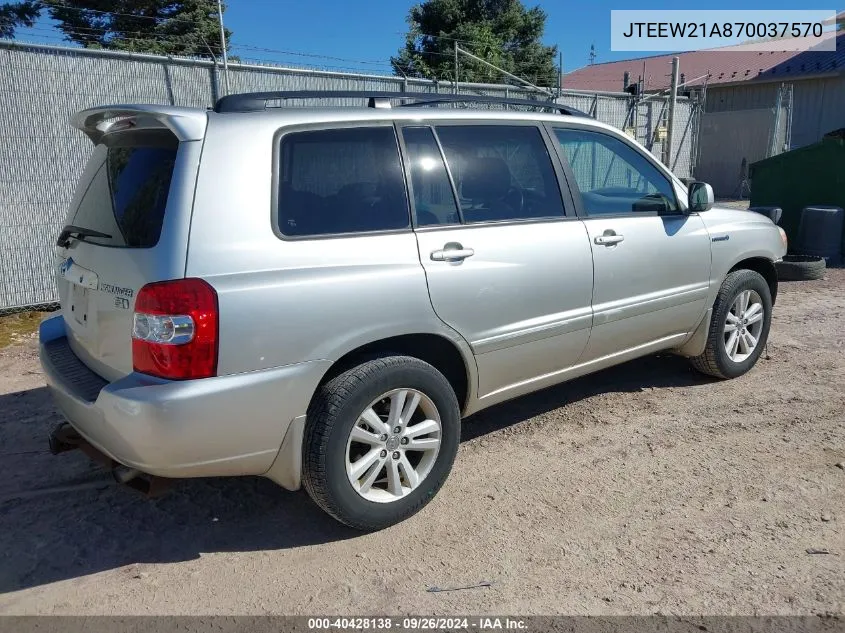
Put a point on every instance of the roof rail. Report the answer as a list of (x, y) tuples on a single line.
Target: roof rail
[(256, 101), (425, 99)]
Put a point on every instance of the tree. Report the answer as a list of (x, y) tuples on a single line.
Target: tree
[(503, 32), (165, 27), (14, 14)]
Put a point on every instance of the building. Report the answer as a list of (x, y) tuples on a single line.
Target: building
[(755, 103)]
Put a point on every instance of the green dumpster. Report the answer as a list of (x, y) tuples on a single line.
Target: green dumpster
[(807, 176)]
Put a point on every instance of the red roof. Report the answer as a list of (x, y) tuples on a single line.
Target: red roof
[(722, 66)]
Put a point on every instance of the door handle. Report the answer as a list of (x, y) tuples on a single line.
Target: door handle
[(452, 252), (609, 238)]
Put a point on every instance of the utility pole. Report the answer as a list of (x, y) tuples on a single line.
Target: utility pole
[(223, 44), (456, 66), (670, 124), (559, 73)]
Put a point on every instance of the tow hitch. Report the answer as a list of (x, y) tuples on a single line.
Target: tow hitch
[(65, 438)]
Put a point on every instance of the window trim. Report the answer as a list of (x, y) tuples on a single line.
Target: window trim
[(406, 166), (276, 179), (566, 199), (573, 184)]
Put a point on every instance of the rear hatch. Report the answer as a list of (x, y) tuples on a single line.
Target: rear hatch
[(127, 225)]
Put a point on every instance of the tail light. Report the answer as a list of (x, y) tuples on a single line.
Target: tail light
[(175, 330)]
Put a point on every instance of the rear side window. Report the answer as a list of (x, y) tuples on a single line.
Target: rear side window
[(125, 189), (501, 172), (341, 181)]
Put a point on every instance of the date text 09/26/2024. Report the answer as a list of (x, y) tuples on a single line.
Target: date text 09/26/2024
[(416, 624)]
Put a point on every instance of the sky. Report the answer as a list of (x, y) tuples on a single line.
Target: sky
[(363, 34)]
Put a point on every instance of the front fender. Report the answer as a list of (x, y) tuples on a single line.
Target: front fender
[(737, 236)]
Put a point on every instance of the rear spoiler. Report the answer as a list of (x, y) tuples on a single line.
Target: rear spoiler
[(187, 124)]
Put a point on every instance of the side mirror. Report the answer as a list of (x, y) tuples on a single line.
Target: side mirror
[(700, 197)]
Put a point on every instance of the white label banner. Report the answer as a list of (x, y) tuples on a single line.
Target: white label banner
[(691, 30)]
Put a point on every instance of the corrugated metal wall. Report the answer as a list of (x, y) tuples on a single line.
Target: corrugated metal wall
[(818, 104), (727, 138), (747, 97), (819, 108), (41, 156)]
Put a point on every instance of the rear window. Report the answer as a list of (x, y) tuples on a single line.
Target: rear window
[(341, 181), (125, 188)]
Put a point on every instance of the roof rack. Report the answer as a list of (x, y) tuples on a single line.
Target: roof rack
[(256, 101), (426, 99)]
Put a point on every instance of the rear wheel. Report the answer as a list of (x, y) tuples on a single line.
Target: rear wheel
[(739, 328), (380, 440)]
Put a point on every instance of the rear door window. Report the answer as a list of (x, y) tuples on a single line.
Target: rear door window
[(125, 189), (341, 181), (501, 172)]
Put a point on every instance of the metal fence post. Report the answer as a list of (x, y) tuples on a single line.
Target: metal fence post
[(670, 123), (215, 83)]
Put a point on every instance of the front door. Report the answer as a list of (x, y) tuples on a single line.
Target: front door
[(651, 261), (506, 267)]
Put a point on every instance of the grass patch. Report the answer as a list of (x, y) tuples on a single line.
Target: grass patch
[(16, 328)]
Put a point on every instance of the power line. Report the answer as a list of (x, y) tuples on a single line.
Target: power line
[(318, 67), (185, 53), (84, 32), (449, 39), (145, 41), (146, 38), (373, 67), (443, 37), (160, 38), (188, 20), (312, 55), (65, 7)]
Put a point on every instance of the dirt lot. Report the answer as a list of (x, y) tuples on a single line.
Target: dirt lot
[(642, 489)]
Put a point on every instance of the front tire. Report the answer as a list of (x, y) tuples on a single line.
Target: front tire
[(739, 328), (380, 440)]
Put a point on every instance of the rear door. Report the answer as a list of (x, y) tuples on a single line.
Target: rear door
[(507, 267), (127, 226)]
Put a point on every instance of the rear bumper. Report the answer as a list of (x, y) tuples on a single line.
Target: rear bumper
[(227, 425)]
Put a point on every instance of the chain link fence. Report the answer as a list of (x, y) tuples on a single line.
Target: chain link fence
[(42, 156)]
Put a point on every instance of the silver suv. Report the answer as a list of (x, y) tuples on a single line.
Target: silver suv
[(319, 295)]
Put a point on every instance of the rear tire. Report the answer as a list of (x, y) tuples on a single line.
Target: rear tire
[(729, 352), (352, 420)]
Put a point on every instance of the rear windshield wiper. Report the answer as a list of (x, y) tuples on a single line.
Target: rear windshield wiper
[(78, 232)]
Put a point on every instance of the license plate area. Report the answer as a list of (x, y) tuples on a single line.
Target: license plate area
[(79, 296), (81, 283)]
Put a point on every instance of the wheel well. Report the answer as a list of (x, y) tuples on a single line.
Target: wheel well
[(435, 350), (763, 266)]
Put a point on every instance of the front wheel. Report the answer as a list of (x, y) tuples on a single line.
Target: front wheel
[(742, 315), (380, 440)]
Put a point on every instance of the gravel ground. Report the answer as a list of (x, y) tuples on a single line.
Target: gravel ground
[(641, 489), (732, 203)]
